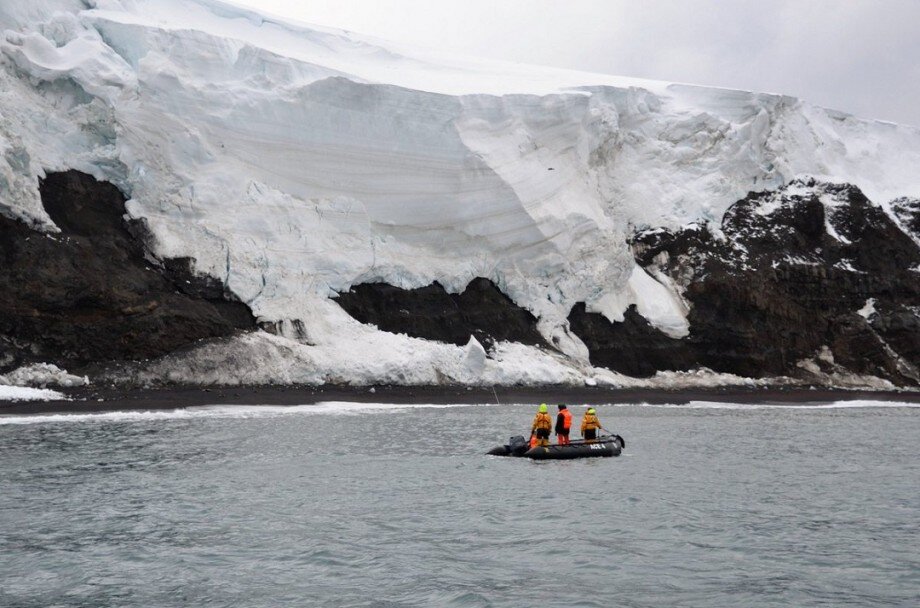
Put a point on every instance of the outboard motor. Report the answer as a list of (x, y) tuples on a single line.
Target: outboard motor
[(517, 445)]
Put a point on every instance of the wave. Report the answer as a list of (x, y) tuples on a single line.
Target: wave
[(340, 408), (349, 408)]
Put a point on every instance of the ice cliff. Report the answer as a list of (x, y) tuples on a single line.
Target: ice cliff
[(293, 162)]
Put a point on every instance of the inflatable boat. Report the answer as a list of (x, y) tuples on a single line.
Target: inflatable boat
[(603, 447)]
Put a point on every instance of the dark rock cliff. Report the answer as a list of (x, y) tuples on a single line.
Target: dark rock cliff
[(90, 294), (481, 310), (907, 210), (813, 268)]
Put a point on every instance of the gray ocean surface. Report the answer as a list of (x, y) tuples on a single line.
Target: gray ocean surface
[(383, 505)]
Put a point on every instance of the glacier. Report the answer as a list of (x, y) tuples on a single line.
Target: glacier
[(291, 162)]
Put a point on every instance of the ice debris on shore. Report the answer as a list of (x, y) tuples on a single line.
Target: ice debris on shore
[(22, 393), (42, 375)]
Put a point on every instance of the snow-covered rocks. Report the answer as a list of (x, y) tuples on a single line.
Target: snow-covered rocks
[(906, 211), (810, 267)]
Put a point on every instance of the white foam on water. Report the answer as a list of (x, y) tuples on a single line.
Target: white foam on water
[(347, 408), (324, 408)]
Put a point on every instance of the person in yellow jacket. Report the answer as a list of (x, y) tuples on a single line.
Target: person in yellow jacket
[(589, 426), (542, 425)]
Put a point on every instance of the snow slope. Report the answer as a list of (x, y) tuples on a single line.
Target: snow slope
[(292, 161)]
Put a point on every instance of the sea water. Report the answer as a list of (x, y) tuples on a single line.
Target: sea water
[(384, 505)]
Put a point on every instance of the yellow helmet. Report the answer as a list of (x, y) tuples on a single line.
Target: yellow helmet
[(542, 408), (591, 410)]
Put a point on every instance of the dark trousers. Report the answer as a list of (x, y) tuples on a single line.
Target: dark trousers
[(590, 434)]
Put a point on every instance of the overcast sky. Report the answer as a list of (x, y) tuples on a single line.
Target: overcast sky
[(861, 56)]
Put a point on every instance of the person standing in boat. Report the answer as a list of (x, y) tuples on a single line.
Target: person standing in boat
[(563, 424), (542, 424), (589, 426)]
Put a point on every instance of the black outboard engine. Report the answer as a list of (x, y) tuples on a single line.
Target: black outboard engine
[(517, 445)]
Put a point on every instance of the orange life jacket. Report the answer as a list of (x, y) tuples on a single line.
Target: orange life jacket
[(566, 419), (542, 421), (590, 423)]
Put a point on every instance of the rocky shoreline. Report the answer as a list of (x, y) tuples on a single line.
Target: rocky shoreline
[(98, 400)]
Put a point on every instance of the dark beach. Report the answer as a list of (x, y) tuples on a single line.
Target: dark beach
[(94, 399)]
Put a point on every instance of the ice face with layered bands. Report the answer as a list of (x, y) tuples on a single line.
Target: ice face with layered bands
[(293, 161)]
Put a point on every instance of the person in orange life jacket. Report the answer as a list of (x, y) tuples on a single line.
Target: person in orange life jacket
[(542, 424), (589, 426), (563, 424)]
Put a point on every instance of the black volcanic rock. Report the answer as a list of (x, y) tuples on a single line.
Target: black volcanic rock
[(784, 276), (430, 312), (632, 347), (907, 211), (899, 326), (91, 293)]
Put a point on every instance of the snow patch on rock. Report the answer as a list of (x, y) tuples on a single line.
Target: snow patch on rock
[(657, 300), (868, 309)]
